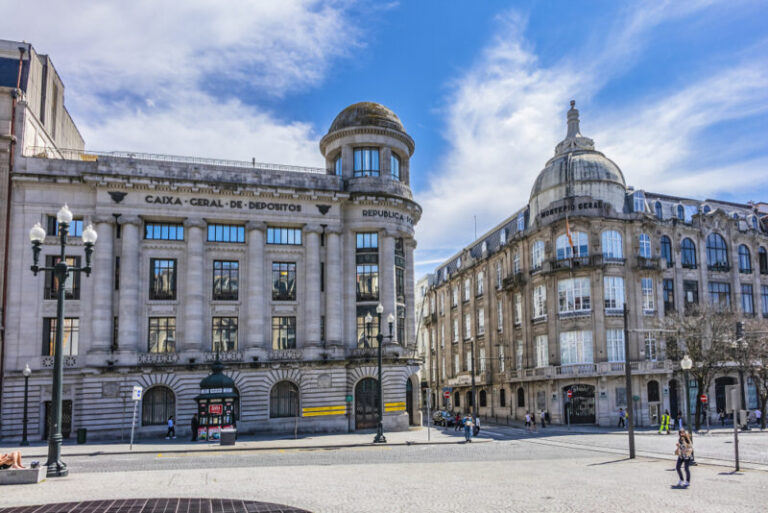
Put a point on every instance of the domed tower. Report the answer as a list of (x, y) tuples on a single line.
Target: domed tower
[(368, 146), (577, 170)]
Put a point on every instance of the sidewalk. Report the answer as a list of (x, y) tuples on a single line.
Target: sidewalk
[(414, 436)]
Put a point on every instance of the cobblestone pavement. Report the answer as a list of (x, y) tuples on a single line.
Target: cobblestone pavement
[(525, 474)]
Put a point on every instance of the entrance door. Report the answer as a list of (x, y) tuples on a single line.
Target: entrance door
[(654, 399), (409, 400), (720, 384), (66, 419), (674, 405), (583, 404), (366, 403)]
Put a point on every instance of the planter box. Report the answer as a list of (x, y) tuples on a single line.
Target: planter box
[(22, 476)]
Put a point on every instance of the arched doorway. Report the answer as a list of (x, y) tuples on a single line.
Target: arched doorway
[(674, 398), (720, 384), (582, 405), (366, 403), (409, 400)]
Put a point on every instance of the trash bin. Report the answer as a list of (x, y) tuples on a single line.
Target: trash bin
[(82, 435), (228, 437)]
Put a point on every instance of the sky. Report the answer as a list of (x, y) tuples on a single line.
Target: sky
[(676, 93)]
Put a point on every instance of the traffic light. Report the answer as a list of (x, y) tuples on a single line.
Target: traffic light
[(739, 330)]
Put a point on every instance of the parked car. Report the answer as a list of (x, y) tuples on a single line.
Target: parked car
[(443, 418)]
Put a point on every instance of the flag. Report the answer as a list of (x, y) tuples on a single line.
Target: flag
[(569, 234)]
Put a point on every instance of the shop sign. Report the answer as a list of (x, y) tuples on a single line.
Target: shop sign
[(222, 203), (215, 409)]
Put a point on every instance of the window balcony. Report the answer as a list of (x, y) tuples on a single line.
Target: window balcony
[(689, 265), (652, 263), (720, 268), (514, 282), (571, 263), (601, 260), (745, 271)]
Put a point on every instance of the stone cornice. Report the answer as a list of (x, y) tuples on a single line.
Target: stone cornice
[(402, 137), (256, 225), (129, 219)]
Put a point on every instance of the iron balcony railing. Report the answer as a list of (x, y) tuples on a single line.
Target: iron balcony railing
[(653, 263)]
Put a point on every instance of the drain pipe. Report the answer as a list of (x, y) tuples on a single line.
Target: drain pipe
[(12, 150)]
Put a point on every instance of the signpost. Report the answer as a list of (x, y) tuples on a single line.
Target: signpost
[(136, 396), (570, 407), (446, 394)]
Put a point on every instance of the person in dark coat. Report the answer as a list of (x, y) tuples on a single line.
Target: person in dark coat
[(194, 424)]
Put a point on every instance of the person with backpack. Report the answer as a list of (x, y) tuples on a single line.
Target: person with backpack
[(684, 453)]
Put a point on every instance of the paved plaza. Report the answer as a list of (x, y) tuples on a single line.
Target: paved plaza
[(505, 469)]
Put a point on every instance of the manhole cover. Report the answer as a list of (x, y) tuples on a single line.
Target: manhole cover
[(158, 506)]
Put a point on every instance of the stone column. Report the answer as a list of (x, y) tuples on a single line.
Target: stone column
[(255, 289), (194, 299), (410, 297), (349, 291), (312, 282), (128, 338), (333, 277), (387, 279), (102, 278)]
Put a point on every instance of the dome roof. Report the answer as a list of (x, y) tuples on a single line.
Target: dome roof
[(577, 167), (366, 114)]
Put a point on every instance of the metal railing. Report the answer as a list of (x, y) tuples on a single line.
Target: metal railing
[(47, 152)]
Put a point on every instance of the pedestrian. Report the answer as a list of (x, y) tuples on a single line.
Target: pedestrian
[(527, 421), (533, 421), (679, 421), (622, 414), (758, 417), (664, 426), (477, 426), (457, 421), (171, 429), (194, 424), (684, 453), (543, 419), (722, 416), (468, 428)]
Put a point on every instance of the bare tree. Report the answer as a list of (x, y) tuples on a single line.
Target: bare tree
[(751, 355), (705, 333)]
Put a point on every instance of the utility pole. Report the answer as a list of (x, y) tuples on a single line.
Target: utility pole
[(628, 385)]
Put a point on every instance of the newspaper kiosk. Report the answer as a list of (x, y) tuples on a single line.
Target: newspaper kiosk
[(216, 404)]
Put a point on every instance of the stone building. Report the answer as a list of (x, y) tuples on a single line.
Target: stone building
[(271, 267), (539, 299)]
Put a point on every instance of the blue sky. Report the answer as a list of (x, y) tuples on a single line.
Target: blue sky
[(676, 93)]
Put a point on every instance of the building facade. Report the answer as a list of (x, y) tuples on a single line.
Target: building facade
[(271, 268), (539, 300)]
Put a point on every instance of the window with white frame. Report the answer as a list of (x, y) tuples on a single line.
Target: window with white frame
[(502, 360), (574, 295), (442, 366), (521, 221), (441, 303), (542, 351), (481, 357), (498, 275), (455, 296), (431, 304), (516, 263), (580, 245), (467, 326), (468, 360), (612, 245), (614, 292), (456, 365), (576, 347), (539, 301), (537, 255), (645, 245), (455, 330), (442, 335), (639, 201), (433, 338), (519, 355), (518, 308), (480, 283), (481, 321), (651, 351), (646, 285), (615, 345), (434, 372), (467, 289), (499, 315)]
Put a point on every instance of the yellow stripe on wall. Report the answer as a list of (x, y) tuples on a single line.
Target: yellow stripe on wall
[(320, 413), (391, 405), (323, 408)]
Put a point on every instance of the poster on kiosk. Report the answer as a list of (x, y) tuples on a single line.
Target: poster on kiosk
[(216, 404)]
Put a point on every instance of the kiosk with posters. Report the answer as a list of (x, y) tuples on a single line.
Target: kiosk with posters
[(216, 404)]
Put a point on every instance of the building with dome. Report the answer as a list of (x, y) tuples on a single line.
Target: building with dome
[(539, 299), (272, 268)]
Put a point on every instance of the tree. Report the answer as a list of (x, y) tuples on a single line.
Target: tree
[(751, 355), (704, 333)]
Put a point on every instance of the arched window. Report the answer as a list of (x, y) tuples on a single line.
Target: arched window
[(612, 246), (680, 213), (659, 213), (284, 400), (645, 245), (520, 398), (537, 254), (706, 209), (745, 260), (483, 399), (688, 254), (157, 405), (762, 260), (717, 253), (502, 398), (580, 246), (653, 391), (666, 250)]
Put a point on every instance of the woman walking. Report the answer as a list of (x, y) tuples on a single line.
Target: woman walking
[(684, 453), (468, 428)]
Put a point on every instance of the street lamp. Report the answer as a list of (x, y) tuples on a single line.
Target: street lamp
[(379, 438), (686, 363), (26, 372), (61, 272)]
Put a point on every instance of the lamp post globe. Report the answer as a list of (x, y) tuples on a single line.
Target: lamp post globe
[(64, 215), (90, 235), (686, 363), (26, 373), (37, 233)]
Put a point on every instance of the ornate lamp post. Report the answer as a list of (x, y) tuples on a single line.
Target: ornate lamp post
[(686, 363), (379, 438), (26, 372), (61, 272)]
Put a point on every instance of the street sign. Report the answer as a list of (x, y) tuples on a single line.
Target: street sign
[(348, 398), (447, 394), (703, 398), (136, 395), (570, 393)]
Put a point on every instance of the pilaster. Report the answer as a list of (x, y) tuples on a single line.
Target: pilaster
[(128, 320), (194, 332), (103, 262)]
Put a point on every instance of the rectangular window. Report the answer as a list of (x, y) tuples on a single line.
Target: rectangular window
[(456, 367), (651, 351), (481, 321), (455, 297), (71, 338), (669, 295), (764, 300), (502, 360), (614, 293), (367, 282), (621, 397), (576, 347), (283, 332), (720, 294), (394, 166), (518, 309), (539, 301), (224, 334), (646, 284), (366, 334), (442, 335), (480, 283), (615, 345), (542, 351), (499, 315), (455, 330), (283, 281), (519, 354), (162, 278), (442, 367), (400, 327), (521, 221), (284, 236), (225, 280), (164, 231), (516, 263), (574, 295), (366, 162), (537, 255), (71, 284), (467, 289), (226, 233), (467, 326), (481, 357), (441, 303), (498, 276), (690, 293), (747, 300), (162, 335), (75, 228), (367, 240)]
